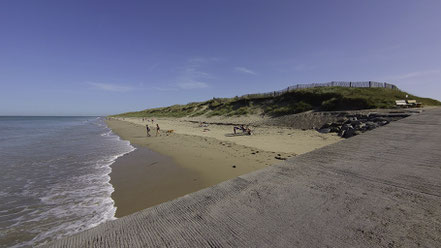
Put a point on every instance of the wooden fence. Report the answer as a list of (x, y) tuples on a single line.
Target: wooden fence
[(366, 84)]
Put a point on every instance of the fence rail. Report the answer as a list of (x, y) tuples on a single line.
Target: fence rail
[(364, 84)]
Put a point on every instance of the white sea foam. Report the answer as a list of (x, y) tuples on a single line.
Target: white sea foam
[(103, 207), (68, 192)]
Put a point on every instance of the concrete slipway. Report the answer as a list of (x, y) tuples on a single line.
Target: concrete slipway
[(379, 189)]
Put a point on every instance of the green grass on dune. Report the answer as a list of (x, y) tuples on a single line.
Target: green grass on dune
[(320, 99)]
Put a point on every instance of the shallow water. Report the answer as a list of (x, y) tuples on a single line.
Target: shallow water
[(54, 178)]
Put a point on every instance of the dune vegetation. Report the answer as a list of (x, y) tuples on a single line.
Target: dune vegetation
[(296, 101)]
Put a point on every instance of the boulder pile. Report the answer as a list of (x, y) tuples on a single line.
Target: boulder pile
[(354, 124)]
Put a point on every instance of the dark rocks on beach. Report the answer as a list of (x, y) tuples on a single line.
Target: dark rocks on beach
[(355, 124), (325, 130), (371, 125), (326, 125), (279, 158), (349, 133), (379, 119)]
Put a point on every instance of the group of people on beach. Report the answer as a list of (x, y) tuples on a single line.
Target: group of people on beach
[(244, 129), (145, 119), (148, 129)]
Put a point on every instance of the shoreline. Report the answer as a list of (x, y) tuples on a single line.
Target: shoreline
[(191, 159)]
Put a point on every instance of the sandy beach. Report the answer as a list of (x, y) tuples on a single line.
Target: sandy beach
[(196, 156)]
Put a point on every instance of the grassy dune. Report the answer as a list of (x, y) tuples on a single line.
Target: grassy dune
[(320, 99)]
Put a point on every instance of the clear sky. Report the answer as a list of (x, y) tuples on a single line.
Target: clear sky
[(104, 57)]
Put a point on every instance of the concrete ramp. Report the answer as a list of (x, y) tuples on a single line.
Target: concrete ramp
[(379, 189)]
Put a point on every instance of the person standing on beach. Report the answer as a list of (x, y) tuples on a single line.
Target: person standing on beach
[(148, 130), (157, 129)]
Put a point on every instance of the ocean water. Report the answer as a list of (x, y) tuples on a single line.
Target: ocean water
[(54, 177)]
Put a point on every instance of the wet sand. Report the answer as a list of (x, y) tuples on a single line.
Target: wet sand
[(144, 178)]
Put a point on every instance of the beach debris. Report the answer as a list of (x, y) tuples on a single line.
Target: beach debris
[(279, 158)]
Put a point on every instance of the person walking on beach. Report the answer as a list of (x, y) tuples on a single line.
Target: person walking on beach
[(148, 130), (157, 129)]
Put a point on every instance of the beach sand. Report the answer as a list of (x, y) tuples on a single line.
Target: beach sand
[(198, 157)]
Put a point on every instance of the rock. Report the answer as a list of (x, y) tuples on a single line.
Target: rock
[(371, 125), (279, 158), (378, 119), (326, 125), (362, 127), (324, 130), (335, 129), (361, 116), (336, 124), (347, 122), (349, 133), (341, 133), (382, 123), (373, 115), (346, 127), (341, 121), (355, 123)]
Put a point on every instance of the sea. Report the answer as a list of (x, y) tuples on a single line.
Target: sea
[(54, 177)]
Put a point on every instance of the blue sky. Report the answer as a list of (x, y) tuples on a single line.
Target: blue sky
[(105, 57)]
